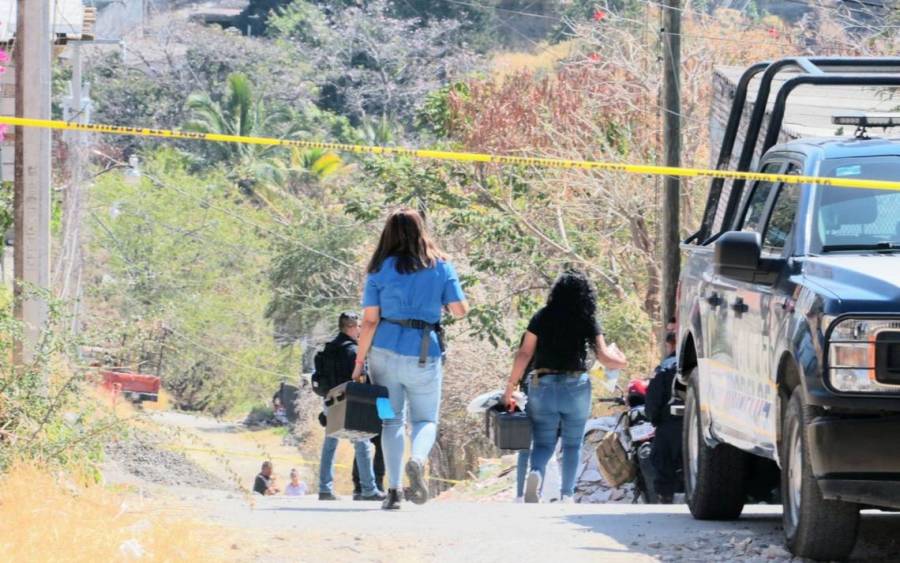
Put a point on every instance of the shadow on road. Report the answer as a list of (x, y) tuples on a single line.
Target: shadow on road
[(311, 509), (657, 531)]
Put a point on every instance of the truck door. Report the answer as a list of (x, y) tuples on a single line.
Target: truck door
[(757, 312), (733, 384)]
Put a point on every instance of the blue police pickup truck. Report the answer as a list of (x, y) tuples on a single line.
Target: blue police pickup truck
[(789, 325)]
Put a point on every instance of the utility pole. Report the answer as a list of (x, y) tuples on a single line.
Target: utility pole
[(671, 255), (32, 170)]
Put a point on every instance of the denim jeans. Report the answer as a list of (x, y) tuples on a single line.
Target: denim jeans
[(559, 405), (363, 459), (522, 471), (412, 386), (522, 460)]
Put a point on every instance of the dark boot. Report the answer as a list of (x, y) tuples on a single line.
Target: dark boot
[(418, 488), (392, 501)]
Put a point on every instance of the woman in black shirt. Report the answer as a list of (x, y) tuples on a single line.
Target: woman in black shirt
[(559, 398)]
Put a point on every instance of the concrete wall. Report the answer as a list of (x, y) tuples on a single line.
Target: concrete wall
[(724, 84)]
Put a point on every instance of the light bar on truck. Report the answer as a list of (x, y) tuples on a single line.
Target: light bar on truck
[(858, 119)]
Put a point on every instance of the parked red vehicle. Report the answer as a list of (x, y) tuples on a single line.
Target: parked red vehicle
[(136, 387)]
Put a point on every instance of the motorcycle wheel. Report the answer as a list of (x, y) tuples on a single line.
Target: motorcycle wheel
[(647, 473)]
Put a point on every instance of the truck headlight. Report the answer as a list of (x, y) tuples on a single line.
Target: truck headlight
[(854, 349)]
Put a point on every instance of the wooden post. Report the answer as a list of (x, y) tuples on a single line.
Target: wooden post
[(670, 234), (32, 169)]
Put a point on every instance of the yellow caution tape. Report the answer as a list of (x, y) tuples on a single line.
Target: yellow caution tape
[(645, 169)]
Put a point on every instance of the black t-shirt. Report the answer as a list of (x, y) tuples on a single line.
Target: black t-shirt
[(261, 485), (561, 343)]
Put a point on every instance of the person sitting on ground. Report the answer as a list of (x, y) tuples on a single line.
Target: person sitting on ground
[(296, 488), (559, 393), (342, 353), (666, 453), (265, 483), (278, 411)]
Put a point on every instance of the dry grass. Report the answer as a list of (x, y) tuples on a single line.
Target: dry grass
[(546, 57), (46, 517)]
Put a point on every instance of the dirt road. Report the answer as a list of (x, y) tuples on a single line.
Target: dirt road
[(305, 529), (285, 529)]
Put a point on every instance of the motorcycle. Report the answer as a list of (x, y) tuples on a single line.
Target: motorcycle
[(636, 434)]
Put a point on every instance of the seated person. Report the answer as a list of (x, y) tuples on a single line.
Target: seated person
[(666, 453), (265, 483), (296, 488)]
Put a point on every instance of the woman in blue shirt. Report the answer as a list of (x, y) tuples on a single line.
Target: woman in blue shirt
[(409, 282)]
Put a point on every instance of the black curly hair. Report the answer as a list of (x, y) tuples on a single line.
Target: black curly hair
[(572, 306)]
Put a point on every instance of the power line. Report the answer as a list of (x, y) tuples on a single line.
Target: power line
[(506, 10), (206, 203), (208, 350)]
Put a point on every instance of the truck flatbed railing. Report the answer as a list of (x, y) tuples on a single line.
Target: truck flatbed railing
[(817, 71)]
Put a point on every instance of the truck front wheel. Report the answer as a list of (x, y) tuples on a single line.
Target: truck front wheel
[(813, 527), (713, 476)]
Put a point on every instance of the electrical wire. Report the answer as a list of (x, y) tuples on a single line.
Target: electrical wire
[(206, 203), (505, 10), (206, 349)]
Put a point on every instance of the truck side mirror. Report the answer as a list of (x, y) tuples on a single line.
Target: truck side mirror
[(737, 255)]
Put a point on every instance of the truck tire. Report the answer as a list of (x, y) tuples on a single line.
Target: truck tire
[(813, 527), (713, 476)]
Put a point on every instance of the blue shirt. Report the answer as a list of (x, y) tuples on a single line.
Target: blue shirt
[(419, 295)]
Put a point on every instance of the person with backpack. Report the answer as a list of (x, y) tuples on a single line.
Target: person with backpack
[(666, 453), (334, 365), (559, 393), (409, 282)]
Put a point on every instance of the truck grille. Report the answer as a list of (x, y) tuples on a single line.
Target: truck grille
[(887, 357)]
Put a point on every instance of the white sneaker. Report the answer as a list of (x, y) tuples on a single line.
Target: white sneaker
[(567, 499), (520, 500), (533, 487)]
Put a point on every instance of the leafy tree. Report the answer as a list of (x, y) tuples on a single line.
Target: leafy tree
[(151, 86), (242, 114), (315, 273), (266, 172), (7, 218), (175, 266), (372, 63)]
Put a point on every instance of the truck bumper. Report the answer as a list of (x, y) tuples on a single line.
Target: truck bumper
[(857, 459), (139, 397)]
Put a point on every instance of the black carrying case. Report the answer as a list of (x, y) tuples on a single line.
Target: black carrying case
[(352, 413), (508, 430)]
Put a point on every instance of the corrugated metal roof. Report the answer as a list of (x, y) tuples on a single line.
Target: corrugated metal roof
[(67, 17)]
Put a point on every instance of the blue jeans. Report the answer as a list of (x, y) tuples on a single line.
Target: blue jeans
[(363, 460), (559, 403), (522, 461), (522, 471), (419, 388)]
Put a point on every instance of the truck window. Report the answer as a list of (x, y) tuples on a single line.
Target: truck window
[(754, 218), (856, 216), (784, 210), (783, 213)]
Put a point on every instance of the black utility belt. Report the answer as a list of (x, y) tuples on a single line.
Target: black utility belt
[(426, 328), (541, 372)]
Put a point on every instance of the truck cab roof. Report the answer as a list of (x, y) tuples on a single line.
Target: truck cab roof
[(831, 147)]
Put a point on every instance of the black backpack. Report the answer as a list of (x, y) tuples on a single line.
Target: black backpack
[(326, 376)]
